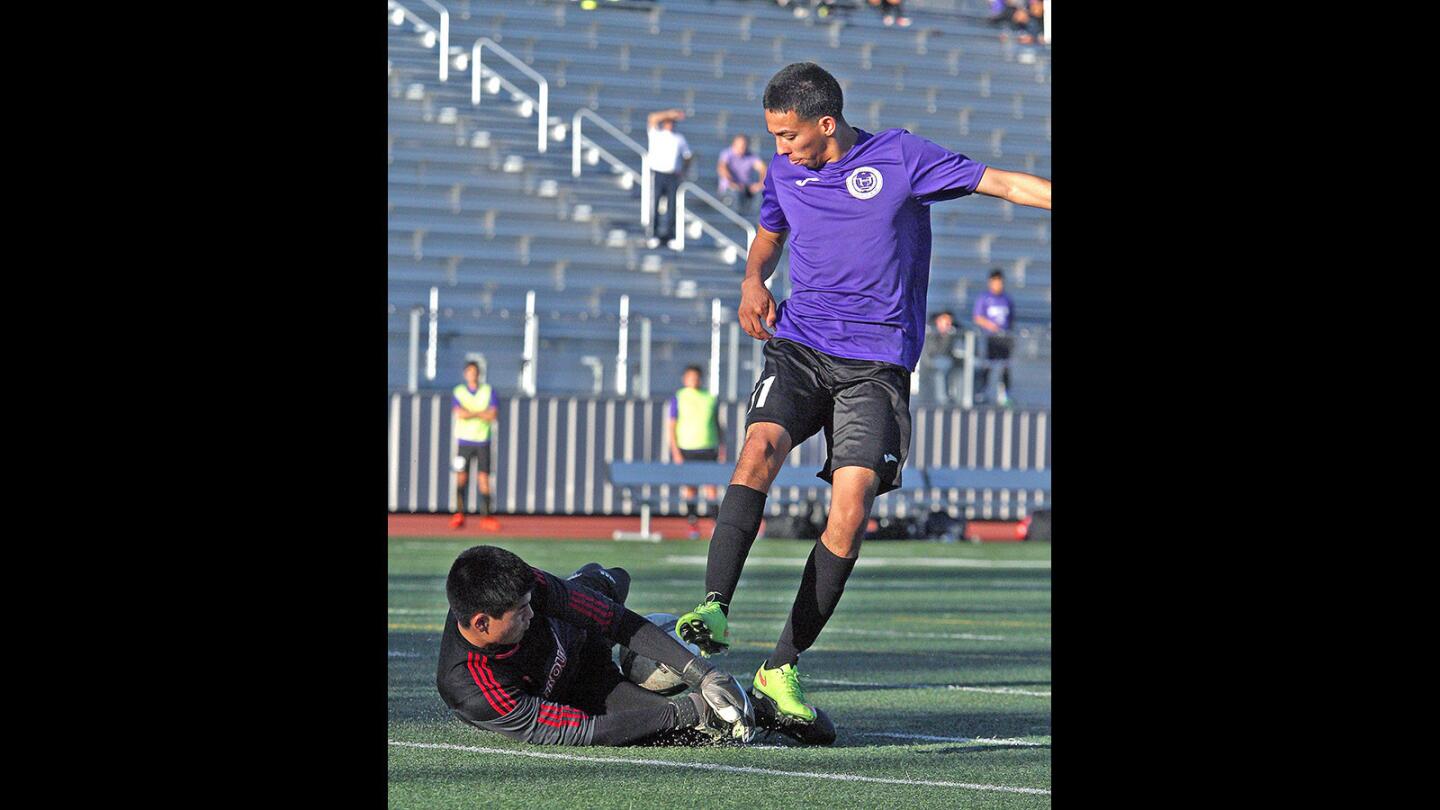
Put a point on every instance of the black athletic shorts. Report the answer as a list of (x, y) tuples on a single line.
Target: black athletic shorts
[(465, 452), (599, 674), (713, 454), (998, 347), (862, 405)]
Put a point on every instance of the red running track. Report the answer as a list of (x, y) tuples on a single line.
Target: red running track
[(586, 527)]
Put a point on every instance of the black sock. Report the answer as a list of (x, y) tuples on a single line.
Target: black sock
[(735, 530), (485, 504), (459, 497), (820, 589)]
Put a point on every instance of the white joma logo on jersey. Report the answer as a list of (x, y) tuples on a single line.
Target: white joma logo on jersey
[(889, 457), (802, 183)]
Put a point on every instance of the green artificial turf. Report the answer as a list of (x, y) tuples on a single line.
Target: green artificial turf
[(930, 640)]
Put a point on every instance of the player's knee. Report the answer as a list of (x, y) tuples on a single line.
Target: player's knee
[(766, 446), (846, 520), (622, 583), (462, 478), (844, 541)]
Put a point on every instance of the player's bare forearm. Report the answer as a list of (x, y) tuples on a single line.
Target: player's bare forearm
[(654, 118), (757, 311), (1017, 187), (764, 256), (987, 324)]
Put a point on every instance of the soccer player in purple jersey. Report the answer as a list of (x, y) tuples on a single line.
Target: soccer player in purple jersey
[(840, 350)]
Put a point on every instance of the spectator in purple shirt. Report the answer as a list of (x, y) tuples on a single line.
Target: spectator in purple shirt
[(742, 175), (892, 12), (840, 349), (992, 313), (1023, 16)]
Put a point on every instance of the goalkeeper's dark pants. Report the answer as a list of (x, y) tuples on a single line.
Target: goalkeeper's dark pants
[(624, 713)]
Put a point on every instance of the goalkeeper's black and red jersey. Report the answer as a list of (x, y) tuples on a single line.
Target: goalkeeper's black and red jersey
[(527, 691)]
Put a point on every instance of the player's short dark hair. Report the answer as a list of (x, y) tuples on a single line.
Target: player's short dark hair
[(693, 368), (997, 273), (473, 363), (945, 312), (806, 88), (487, 579)]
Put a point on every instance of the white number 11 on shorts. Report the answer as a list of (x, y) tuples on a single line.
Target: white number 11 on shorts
[(762, 391)]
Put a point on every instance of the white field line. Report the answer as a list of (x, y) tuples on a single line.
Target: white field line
[(706, 766), (689, 585), (873, 562), (903, 634), (997, 690), (928, 738), (399, 654)]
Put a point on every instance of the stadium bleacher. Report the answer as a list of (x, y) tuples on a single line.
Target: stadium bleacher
[(476, 210)]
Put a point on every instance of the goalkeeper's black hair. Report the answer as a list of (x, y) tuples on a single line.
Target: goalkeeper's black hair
[(486, 579), (806, 88)]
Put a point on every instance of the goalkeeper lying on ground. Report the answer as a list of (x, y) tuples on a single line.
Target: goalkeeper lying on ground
[(529, 657)]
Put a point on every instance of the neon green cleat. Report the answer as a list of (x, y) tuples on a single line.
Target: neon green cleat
[(782, 685), (706, 627)]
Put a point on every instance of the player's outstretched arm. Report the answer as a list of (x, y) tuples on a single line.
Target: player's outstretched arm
[(1017, 187), (757, 306)]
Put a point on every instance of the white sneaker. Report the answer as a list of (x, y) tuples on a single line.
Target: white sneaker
[(652, 243), (673, 244)]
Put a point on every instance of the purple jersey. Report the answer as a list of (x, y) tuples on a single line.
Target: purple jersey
[(995, 307), (860, 243), (742, 168)]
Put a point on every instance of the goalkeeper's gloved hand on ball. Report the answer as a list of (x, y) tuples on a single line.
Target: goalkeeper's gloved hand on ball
[(725, 696)]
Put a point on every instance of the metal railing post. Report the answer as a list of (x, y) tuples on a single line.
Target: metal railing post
[(444, 39), (622, 357), (967, 377), (688, 187), (477, 69), (731, 376), (432, 349), (442, 35), (528, 356), (645, 358), (714, 373), (647, 187), (413, 382)]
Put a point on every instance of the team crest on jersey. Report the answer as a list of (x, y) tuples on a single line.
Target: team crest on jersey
[(864, 183)]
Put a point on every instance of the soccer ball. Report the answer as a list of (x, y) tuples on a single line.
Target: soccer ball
[(653, 675)]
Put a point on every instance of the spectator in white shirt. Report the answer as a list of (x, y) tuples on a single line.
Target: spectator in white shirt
[(670, 158)]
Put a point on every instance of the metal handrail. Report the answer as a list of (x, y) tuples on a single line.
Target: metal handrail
[(478, 68), (578, 140), (705, 226), (443, 34)]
